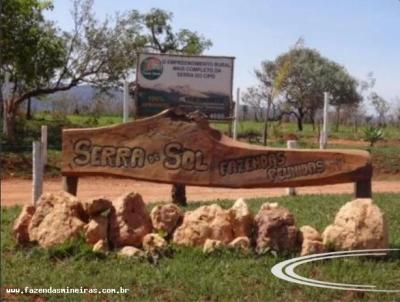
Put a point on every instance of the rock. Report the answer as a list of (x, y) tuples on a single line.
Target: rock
[(96, 229), (166, 218), (100, 246), (94, 207), (359, 224), (21, 224), (205, 222), (130, 251), (275, 228), (241, 244), (129, 221), (211, 246), (154, 243), (58, 217), (242, 219), (311, 241)]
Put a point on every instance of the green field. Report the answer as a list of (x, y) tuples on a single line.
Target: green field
[(188, 275)]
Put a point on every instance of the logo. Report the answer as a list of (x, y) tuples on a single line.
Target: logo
[(285, 270), (151, 68)]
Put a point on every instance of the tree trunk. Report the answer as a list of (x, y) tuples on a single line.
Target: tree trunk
[(9, 124), (9, 114), (28, 110), (337, 118), (265, 138), (300, 123)]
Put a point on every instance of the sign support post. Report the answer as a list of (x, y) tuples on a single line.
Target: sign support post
[(126, 105), (236, 116), (323, 140), (292, 144), (37, 171)]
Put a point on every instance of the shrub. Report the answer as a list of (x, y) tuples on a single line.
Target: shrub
[(373, 135)]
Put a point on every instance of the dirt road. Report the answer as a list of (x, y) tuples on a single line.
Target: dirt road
[(19, 191)]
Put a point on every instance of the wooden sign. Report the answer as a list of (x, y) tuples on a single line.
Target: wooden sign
[(175, 148)]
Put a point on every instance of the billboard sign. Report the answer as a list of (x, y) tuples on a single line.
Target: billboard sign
[(192, 82)]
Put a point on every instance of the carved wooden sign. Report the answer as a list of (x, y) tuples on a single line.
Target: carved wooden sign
[(172, 147)]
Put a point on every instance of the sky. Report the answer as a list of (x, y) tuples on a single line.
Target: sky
[(362, 35)]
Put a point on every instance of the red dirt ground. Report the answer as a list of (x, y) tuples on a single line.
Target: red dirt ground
[(19, 191)]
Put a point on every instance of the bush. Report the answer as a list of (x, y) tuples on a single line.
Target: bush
[(372, 135)]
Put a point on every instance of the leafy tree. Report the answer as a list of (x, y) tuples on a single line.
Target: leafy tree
[(381, 106), (38, 59), (162, 39), (303, 75)]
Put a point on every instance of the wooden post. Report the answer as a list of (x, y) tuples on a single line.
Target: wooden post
[(178, 193), (44, 144), (363, 189), (323, 139), (126, 105), (70, 184), (236, 114), (37, 171), (292, 144)]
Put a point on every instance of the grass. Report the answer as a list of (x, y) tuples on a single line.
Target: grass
[(190, 275)]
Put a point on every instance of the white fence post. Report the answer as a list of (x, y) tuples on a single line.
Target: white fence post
[(236, 114), (37, 171), (292, 144), (44, 145), (323, 140), (126, 105)]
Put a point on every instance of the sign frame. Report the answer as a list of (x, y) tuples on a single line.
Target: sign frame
[(226, 119)]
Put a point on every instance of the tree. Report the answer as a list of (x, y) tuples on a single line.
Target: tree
[(254, 97), (303, 75), (39, 59), (163, 40), (266, 76), (381, 106)]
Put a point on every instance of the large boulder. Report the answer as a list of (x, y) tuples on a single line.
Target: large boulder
[(205, 222), (96, 229), (166, 218), (58, 217), (311, 241), (242, 219), (129, 221), (275, 228), (21, 224), (359, 224)]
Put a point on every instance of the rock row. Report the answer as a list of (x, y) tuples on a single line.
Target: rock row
[(126, 225)]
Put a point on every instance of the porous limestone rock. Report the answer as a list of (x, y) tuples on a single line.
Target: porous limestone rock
[(205, 222), (311, 241), (58, 217), (211, 245), (359, 224), (275, 228), (21, 224), (154, 243), (242, 219), (166, 218), (130, 251), (129, 221)]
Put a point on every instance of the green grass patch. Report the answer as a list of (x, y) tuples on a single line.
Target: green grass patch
[(188, 275)]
